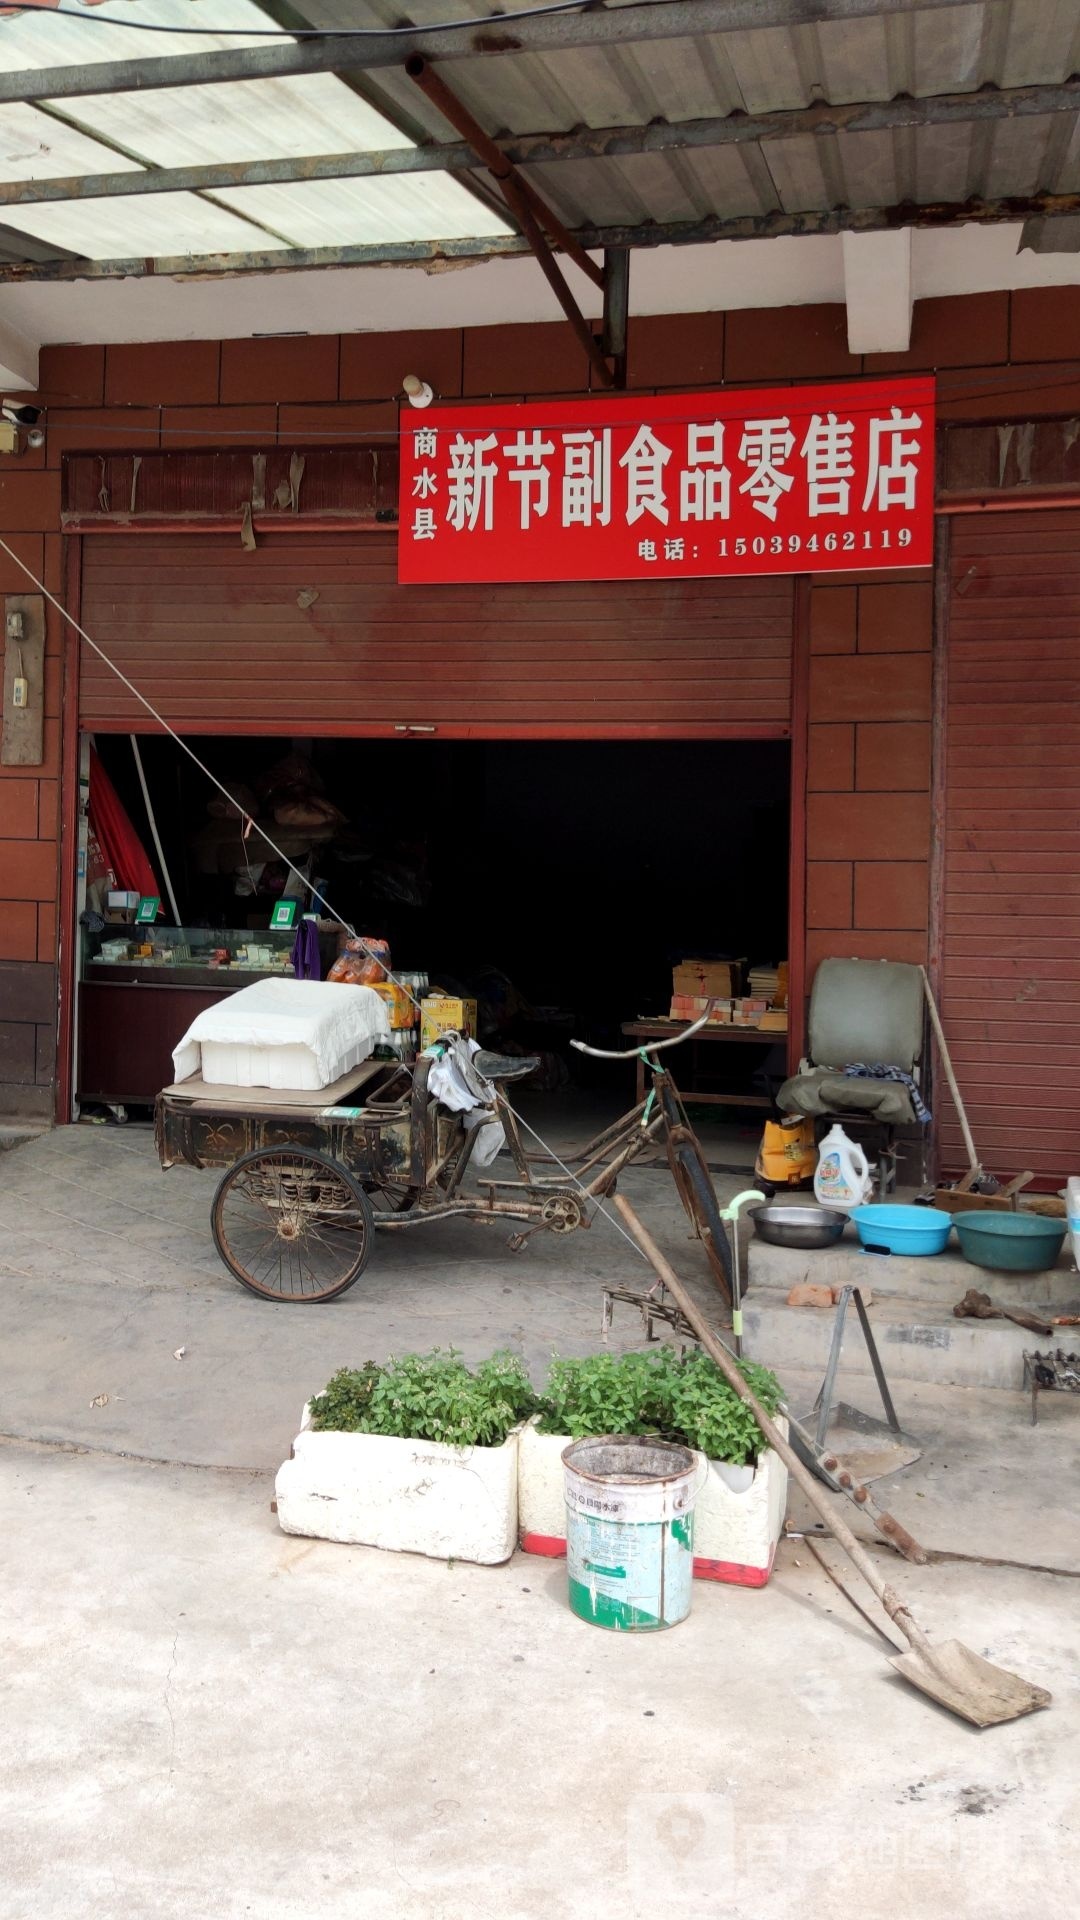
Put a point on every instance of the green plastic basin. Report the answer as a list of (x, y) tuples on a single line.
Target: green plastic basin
[(1011, 1242)]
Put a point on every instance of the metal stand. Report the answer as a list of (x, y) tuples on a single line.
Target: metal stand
[(846, 1449), (1056, 1372), (843, 1471), (653, 1306)]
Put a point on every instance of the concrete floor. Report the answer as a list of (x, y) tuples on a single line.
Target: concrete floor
[(203, 1716), (108, 1267)]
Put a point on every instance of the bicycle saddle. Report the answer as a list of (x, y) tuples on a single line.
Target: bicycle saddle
[(503, 1066)]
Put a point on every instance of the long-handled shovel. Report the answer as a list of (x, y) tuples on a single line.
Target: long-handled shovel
[(950, 1673)]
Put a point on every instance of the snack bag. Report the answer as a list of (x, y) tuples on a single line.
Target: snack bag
[(361, 963)]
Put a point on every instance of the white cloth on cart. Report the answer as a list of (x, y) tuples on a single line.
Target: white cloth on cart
[(455, 1082), (328, 1027)]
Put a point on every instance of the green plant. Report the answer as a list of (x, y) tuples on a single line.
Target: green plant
[(342, 1406), (430, 1396), (608, 1393), (686, 1400), (707, 1413)]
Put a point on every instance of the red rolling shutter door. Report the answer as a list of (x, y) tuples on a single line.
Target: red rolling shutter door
[(311, 633), (1011, 925)]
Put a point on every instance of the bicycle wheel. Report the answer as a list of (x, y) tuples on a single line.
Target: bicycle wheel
[(698, 1195), (292, 1225), (392, 1198)]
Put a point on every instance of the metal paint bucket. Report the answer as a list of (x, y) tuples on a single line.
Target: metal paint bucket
[(629, 1531)]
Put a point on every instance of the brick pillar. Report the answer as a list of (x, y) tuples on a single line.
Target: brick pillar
[(868, 769)]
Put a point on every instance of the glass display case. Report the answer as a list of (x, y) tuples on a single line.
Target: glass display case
[(220, 957), (142, 987)]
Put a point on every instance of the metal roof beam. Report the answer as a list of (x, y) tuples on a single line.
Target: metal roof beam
[(337, 53), (541, 149), (434, 87), (431, 253), (535, 218)]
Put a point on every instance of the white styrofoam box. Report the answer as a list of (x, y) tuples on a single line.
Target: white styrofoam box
[(228, 1064), (541, 1492), (299, 1034), (411, 1496), (735, 1534)]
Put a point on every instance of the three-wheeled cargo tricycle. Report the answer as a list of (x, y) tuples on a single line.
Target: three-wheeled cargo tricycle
[(310, 1176)]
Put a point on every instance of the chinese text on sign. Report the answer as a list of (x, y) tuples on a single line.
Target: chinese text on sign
[(762, 480)]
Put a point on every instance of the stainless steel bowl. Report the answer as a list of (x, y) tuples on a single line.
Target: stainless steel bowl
[(798, 1226)]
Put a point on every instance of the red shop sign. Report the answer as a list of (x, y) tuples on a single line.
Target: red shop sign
[(628, 487)]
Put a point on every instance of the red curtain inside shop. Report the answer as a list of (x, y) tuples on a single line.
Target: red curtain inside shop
[(122, 852)]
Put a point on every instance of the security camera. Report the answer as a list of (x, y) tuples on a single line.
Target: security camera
[(20, 416)]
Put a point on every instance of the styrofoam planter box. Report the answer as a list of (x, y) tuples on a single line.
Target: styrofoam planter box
[(735, 1533), (411, 1496)]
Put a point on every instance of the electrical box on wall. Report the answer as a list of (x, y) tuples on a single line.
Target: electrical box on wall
[(22, 736)]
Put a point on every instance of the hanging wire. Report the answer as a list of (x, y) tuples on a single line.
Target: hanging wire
[(245, 818), (49, 8)]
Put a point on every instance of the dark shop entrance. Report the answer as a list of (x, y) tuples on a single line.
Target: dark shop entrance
[(557, 883)]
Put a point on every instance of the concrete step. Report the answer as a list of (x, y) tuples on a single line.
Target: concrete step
[(916, 1340), (16, 1133), (939, 1280)]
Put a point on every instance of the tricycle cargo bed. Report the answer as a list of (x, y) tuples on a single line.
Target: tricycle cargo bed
[(378, 1122)]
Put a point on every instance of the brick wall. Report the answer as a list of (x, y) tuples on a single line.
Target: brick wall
[(998, 356), (868, 768), (29, 824)]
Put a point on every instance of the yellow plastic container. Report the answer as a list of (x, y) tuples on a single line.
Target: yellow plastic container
[(787, 1156)]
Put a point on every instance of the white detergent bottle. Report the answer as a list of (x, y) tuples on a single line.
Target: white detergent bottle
[(843, 1177), (1072, 1209)]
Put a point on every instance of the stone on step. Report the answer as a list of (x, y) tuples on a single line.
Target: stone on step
[(805, 1295)]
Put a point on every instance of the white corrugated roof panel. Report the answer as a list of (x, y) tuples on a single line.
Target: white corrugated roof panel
[(327, 213), (248, 120), (34, 146), (252, 120), (152, 224), (72, 35), (907, 49)]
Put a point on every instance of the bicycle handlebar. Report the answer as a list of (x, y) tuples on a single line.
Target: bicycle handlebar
[(652, 1046)]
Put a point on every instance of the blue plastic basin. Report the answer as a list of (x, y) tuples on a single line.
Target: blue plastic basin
[(918, 1230)]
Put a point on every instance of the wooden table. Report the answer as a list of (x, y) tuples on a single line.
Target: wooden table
[(644, 1030)]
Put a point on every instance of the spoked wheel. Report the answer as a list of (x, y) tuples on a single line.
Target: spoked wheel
[(392, 1198), (291, 1225), (698, 1195)]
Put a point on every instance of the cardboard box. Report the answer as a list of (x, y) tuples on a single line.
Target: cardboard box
[(398, 1005), (748, 1012), (685, 1006), (444, 1013), (719, 979), (774, 1020)]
